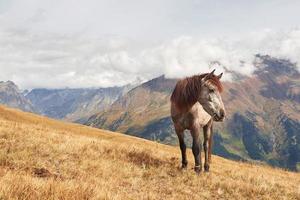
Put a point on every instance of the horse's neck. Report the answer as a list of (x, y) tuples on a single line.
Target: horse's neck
[(186, 93)]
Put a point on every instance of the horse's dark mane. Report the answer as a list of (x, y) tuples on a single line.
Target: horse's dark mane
[(187, 90)]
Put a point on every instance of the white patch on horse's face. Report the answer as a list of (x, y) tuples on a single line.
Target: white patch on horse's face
[(211, 101)]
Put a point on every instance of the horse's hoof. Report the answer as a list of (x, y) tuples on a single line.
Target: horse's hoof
[(184, 165), (206, 168), (197, 169)]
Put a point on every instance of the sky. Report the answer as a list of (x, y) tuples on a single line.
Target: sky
[(102, 43)]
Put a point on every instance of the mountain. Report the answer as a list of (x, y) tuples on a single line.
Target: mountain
[(72, 104), (68, 104), (42, 158), (138, 109), (263, 113), (12, 96), (75, 104)]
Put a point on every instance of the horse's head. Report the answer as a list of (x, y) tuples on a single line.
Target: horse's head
[(210, 97)]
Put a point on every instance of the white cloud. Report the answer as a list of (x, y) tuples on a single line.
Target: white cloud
[(53, 60), (62, 43)]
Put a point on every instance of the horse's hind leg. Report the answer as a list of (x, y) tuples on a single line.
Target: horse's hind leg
[(182, 145), (196, 149)]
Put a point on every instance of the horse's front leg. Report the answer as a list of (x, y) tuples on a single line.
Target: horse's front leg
[(210, 144), (206, 146), (197, 149)]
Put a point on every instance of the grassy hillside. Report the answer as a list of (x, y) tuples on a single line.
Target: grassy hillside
[(47, 159)]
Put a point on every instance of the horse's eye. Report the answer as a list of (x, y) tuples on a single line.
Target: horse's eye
[(211, 90)]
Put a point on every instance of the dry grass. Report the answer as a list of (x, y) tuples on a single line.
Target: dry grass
[(47, 159)]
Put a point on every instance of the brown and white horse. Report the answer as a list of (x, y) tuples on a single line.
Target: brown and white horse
[(195, 103)]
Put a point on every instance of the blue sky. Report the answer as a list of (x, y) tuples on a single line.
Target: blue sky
[(94, 43)]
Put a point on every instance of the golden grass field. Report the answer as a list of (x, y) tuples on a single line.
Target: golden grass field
[(42, 158)]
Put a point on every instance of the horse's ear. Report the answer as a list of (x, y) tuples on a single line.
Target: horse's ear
[(220, 76), (208, 76)]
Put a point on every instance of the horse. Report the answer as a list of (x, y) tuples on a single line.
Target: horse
[(196, 103)]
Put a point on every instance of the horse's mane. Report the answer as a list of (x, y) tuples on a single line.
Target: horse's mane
[(186, 92)]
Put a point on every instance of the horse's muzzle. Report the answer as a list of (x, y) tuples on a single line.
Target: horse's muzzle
[(220, 117)]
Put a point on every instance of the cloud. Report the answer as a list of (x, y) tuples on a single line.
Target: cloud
[(190, 55), (53, 60), (56, 61), (94, 43)]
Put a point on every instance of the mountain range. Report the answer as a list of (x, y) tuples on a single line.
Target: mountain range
[(75, 105), (262, 122)]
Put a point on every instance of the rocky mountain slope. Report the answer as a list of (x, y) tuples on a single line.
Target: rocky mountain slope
[(263, 114), (11, 96), (41, 158), (75, 104), (68, 104)]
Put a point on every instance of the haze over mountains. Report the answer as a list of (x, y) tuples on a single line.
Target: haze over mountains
[(74, 104), (263, 111)]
